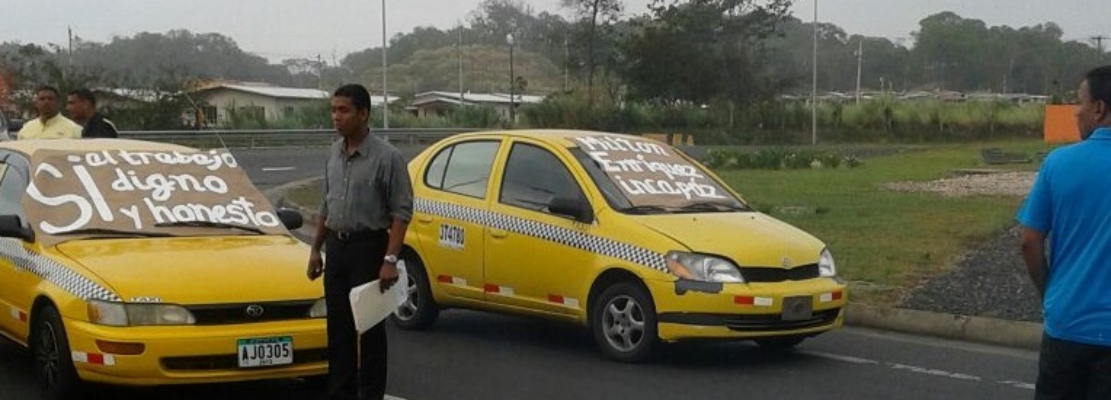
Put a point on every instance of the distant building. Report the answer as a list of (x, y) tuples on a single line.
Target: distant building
[(438, 103), (217, 100)]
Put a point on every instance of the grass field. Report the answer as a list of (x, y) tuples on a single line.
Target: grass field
[(883, 241)]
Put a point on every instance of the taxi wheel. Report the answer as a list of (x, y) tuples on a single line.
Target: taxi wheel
[(53, 363), (419, 311), (624, 323)]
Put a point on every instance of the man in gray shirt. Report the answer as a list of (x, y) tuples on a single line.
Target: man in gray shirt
[(366, 208)]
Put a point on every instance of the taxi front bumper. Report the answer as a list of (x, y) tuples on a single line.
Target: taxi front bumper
[(192, 354), (698, 310)]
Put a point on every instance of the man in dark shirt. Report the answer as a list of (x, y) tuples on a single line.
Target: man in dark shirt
[(81, 105), (366, 207)]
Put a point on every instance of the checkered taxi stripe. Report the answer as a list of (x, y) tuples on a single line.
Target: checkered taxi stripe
[(567, 237), (53, 272)]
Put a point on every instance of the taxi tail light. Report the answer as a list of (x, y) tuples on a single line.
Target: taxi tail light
[(120, 348)]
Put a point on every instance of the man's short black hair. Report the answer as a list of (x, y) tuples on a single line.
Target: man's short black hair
[(1099, 84), (84, 94), (49, 89), (357, 93)]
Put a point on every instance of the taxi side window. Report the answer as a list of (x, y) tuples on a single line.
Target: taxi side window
[(13, 183), (533, 177), (463, 168)]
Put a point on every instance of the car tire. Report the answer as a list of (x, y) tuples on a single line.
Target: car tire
[(51, 358), (420, 311), (780, 343), (624, 323)]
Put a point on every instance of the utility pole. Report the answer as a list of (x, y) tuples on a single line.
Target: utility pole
[(814, 83), (1099, 42), (385, 73), (319, 72), (512, 84), (459, 45), (70, 30), (859, 63), (566, 64)]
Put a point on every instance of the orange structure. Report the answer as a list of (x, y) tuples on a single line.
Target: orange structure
[(1060, 124)]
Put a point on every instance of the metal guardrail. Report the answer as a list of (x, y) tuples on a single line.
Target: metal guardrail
[(252, 138)]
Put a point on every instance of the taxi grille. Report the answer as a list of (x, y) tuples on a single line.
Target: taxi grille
[(758, 274), (226, 314), (752, 322), (231, 362), (775, 322)]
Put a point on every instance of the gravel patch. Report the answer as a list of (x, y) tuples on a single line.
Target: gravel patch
[(990, 281), (972, 183)]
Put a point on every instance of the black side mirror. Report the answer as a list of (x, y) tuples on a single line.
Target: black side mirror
[(12, 226), (291, 219), (15, 125), (578, 209)]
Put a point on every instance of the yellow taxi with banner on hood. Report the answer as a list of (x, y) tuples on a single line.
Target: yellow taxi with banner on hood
[(140, 263), (623, 234)]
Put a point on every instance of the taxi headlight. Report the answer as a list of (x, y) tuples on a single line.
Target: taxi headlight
[(319, 309), (701, 267), (826, 267), (138, 314)]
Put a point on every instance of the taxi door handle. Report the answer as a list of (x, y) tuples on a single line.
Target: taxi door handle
[(424, 219), (498, 233)]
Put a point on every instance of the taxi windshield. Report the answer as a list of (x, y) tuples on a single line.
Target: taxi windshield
[(640, 176), (121, 193)]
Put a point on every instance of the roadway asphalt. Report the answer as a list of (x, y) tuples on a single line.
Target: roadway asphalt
[(472, 355)]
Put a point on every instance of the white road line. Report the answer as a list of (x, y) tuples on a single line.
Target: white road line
[(910, 368), (388, 397), (1017, 384), (933, 371), (838, 357), (277, 169)]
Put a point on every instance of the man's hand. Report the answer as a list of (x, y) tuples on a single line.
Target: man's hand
[(316, 266), (387, 276)]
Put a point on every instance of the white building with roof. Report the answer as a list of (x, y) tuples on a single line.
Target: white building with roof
[(216, 100), (440, 103)]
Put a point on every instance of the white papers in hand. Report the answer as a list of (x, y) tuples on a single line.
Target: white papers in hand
[(370, 306)]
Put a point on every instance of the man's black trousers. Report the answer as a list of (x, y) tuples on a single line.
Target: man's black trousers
[(356, 365)]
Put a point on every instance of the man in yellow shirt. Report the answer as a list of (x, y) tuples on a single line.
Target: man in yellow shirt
[(50, 124)]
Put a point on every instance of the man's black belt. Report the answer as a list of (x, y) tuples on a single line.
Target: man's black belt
[(359, 235)]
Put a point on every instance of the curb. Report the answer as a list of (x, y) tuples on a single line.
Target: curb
[(984, 330), (1001, 332)]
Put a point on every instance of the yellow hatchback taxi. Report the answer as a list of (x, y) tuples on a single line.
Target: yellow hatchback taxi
[(622, 234), (138, 263)]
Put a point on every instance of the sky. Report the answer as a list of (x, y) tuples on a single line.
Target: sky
[(279, 29)]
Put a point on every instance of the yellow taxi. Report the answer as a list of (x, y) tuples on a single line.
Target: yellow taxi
[(622, 234), (138, 263)]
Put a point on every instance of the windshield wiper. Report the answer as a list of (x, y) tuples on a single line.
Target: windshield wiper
[(712, 206), (114, 232), (643, 209), (209, 224)]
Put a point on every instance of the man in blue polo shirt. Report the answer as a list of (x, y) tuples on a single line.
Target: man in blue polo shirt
[(1070, 203)]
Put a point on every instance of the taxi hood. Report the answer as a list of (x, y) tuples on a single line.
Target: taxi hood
[(750, 239), (199, 270)]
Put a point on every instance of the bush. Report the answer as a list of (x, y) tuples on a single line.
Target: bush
[(779, 158)]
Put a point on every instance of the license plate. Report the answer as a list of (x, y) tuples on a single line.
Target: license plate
[(798, 308), (265, 352)]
